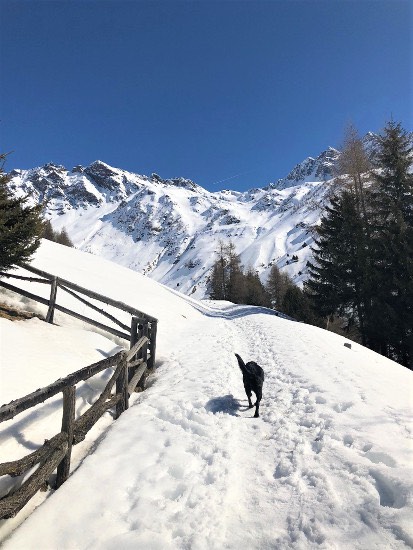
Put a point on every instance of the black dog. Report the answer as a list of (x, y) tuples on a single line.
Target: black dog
[(253, 378)]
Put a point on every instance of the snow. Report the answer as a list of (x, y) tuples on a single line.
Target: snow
[(327, 465), (160, 227)]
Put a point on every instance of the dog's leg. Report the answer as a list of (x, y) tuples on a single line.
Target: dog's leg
[(257, 403), (248, 391)]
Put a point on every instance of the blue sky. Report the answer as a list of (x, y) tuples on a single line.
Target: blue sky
[(204, 90)]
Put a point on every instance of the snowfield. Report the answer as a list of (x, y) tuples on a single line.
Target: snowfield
[(328, 464)]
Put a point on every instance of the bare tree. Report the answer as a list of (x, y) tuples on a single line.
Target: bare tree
[(354, 167)]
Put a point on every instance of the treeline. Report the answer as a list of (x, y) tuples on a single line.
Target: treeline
[(60, 237), (229, 281), (363, 255)]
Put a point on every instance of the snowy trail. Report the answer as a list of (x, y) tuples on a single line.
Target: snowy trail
[(328, 465), (329, 501)]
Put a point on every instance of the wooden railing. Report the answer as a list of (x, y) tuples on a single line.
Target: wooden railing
[(74, 290), (131, 369)]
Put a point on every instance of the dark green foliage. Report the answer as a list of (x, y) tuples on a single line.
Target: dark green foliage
[(297, 305), (60, 237), (48, 232), (255, 293), (391, 324), (63, 238), (277, 285), (20, 226), (338, 276), (216, 283)]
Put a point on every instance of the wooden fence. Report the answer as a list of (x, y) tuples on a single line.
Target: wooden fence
[(130, 370)]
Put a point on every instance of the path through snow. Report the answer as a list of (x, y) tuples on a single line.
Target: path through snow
[(188, 467)]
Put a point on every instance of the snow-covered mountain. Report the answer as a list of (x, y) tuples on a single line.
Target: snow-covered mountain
[(169, 229)]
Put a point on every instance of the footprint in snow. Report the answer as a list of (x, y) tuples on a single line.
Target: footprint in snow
[(341, 407), (392, 492), (378, 457), (348, 440), (320, 400)]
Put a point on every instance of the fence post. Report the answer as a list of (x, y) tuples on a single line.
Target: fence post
[(133, 340), (152, 345), (143, 353), (52, 301), (122, 388), (69, 400), (145, 332)]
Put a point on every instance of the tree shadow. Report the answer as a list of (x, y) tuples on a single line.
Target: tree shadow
[(225, 404)]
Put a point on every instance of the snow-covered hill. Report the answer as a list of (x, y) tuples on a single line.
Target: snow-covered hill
[(170, 229), (328, 464)]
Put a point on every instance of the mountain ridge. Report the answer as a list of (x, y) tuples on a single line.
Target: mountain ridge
[(170, 228)]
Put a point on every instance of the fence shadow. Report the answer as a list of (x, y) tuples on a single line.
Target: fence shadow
[(234, 311)]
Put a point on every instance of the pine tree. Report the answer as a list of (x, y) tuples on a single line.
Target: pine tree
[(255, 292), (297, 305), (63, 238), (48, 232), (216, 288), (339, 279), (391, 326), (21, 226)]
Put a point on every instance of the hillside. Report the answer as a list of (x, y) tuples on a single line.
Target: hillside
[(169, 229), (327, 465)]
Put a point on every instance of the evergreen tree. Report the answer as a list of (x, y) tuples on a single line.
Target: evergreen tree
[(297, 305), (63, 238), (216, 287), (20, 226), (255, 292), (391, 325), (48, 232), (339, 277), (60, 237)]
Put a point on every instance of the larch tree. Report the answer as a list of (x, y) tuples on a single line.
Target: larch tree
[(277, 285), (353, 167)]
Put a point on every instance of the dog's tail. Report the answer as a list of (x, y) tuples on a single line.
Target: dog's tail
[(240, 362)]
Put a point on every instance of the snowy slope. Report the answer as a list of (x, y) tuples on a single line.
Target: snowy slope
[(170, 229), (328, 464)]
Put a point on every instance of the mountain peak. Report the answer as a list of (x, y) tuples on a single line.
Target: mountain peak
[(177, 182), (310, 169)]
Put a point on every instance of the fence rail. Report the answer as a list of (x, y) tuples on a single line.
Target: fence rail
[(130, 371)]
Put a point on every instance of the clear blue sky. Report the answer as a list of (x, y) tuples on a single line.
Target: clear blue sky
[(204, 90)]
